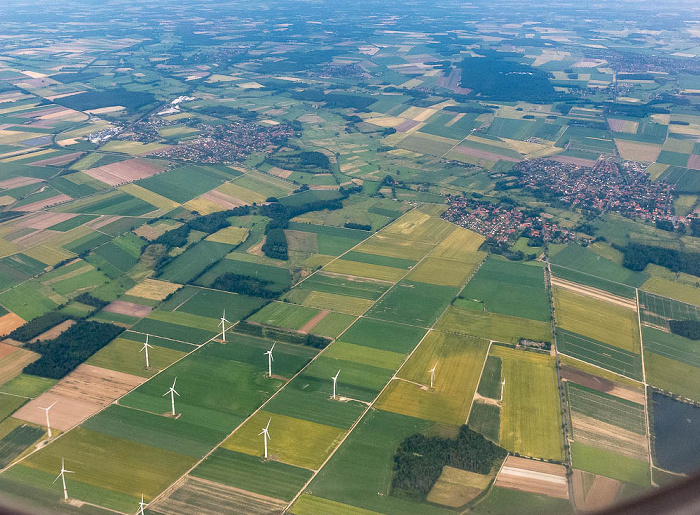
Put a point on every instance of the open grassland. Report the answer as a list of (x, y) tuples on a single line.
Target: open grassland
[(610, 465), (445, 272), (108, 462), (413, 303), (458, 362), (486, 419), (293, 441), (602, 321), (250, 473), (283, 314), (511, 289), (126, 356), (672, 376), (530, 416), (597, 353), (492, 326), (362, 467)]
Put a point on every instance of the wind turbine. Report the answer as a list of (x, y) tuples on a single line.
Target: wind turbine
[(142, 505), (172, 393), (62, 475), (270, 359), (145, 347), (223, 325), (335, 380), (432, 375), (503, 385), (266, 435), (48, 425)]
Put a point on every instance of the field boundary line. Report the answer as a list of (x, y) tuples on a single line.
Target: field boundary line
[(646, 392), (483, 366)]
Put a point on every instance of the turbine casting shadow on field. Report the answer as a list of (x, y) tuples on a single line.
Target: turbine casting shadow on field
[(172, 393), (62, 475), (145, 347)]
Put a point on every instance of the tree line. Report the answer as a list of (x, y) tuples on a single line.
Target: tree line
[(637, 256), (686, 328), (245, 285), (419, 460)]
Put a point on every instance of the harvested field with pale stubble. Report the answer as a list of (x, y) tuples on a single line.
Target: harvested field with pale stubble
[(9, 323), (41, 204), (13, 360), (601, 494), (578, 161), (153, 289), (54, 331), (601, 384), (128, 308), (635, 151), (222, 199), (18, 182), (79, 395), (195, 495), (596, 433), (533, 476), (43, 220), (58, 160), (125, 171)]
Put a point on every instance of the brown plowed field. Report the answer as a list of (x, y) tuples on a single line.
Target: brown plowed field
[(600, 384), (573, 161), (18, 182), (205, 497), (80, 394), (13, 360), (9, 323), (533, 476), (41, 204), (43, 220), (313, 322), (223, 200), (602, 492), (124, 171), (596, 433), (58, 160)]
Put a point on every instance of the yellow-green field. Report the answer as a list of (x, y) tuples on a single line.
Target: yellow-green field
[(384, 245), (230, 235), (419, 226), (460, 245), (445, 272), (152, 198), (530, 415), (458, 361), (335, 302), (672, 289), (383, 273), (292, 440), (493, 326), (602, 321)]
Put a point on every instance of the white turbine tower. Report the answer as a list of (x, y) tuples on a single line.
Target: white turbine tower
[(432, 375), (266, 435), (142, 505), (145, 347), (62, 475), (503, 385), (48, 424), (335, 381), (223, 326), (172, 393), (270, 359)]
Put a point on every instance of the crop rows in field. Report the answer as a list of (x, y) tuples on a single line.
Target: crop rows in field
[(600, 354), (609, 409), (657, 310)]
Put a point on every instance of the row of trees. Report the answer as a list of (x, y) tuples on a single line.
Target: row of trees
[(419, 459), (637, 256), (245, 285), (38, 325), (64, 353)]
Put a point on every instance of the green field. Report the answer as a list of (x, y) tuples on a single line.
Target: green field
[(365, 355), (189, 265), (356, 381), (658, 310), (107, 462), (369, 290), (609, 464), (278, 277), (333, 324), (283, 314), (585, 260), (672, 376), (530, 415), (250, 473), (493, 326), (362, 466), (486, 419), (511, 289), (503, 500), (607, 408), (569, 274), (602, 321), (125, 356), (445, 272), (16, 441), (293, 441), (413, 303), (212, 304), (311, 505), (383, 335), (490, 384), (600, 354), (185, 183), (359, 269), (671, 346), (458, 362), (27, 385), (170, 329)]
